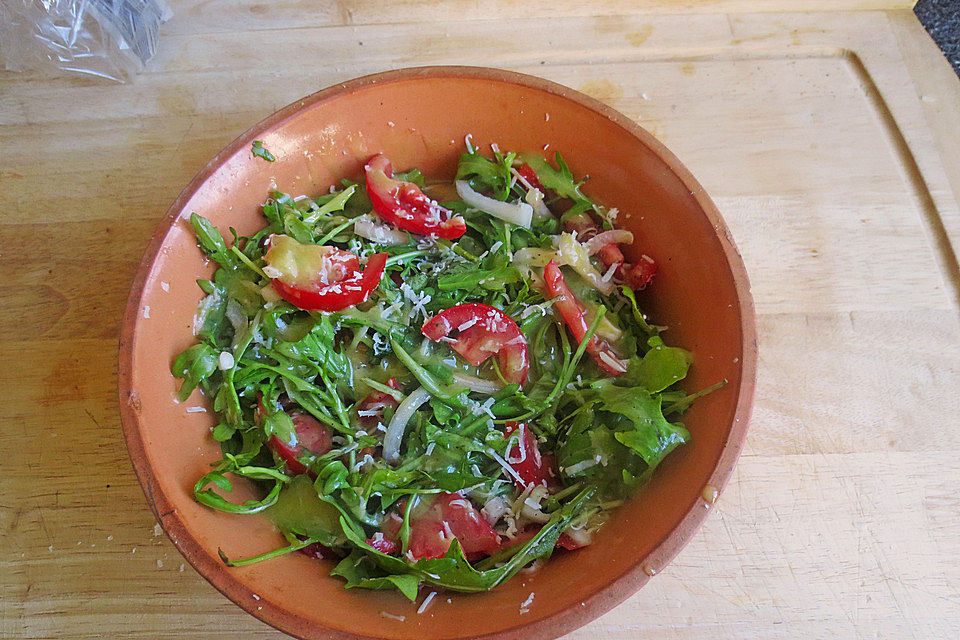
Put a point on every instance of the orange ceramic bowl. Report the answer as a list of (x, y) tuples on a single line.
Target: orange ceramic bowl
[(419, 118)]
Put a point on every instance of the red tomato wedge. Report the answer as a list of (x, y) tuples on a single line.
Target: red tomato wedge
[(573, 315), (370, 409), (637, 276), (382, 544), (320, 278), (482, 331), (526, 460), (312, 437), (433, 527), (339, 295), (572, 539), (403, 204), (318, 552), (528, 174)]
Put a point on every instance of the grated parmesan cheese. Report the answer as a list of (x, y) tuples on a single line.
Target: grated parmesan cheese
[(393, 616), (426, 602), (524, 608), (226, 361), (606, 277), (506, 467)]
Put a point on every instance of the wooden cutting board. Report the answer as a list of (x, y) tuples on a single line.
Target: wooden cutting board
[(829, 140)]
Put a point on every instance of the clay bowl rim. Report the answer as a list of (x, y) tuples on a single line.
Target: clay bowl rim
[(614, 592)]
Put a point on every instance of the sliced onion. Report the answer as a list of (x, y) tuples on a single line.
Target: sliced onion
[(533, 256), (487, 387), (535, 199), (394, 433), (606, 329), (527, 505), (580, 537), (494, 509), (528, 257), (385, 234), (533, 514), (614, 236), (575, 254), (519, 213), (269, 293), (583, 465)]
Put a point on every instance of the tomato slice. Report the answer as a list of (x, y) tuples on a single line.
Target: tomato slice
[(312, 437), (317, 551), (483, 331), (382, 544), (637, 276), (370, 409), (568, 542), (573, 315), (435, 523), (403, 203), (531, 177), (525, 458), (337, 295)]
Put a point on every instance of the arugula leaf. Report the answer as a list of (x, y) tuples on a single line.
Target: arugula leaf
[(451, 395), (277, 423), (213, 310), (269, 555), (318, 347), (659, 368), (206, 496), (413, 175), (336, 203), (681, 401), (211, 241), (195, 365), (469, 278), (485, 174), (259, 151), (652, 437), (223, 432), (359, 570), (559, 180), (298, 510), (638, 316), (272, 211)]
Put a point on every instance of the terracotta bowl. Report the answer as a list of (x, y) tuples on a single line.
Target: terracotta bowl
[(419, 118)]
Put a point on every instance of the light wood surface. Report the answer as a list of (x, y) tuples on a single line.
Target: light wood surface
[(829, 142)]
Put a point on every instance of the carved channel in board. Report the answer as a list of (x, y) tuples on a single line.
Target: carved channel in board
[(944, 250)]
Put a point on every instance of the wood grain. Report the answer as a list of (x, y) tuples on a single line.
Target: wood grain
[(827, 139)]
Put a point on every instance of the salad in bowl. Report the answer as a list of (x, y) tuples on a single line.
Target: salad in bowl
[(437, 383)]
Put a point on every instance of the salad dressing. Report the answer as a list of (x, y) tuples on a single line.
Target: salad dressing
[(710, 494)]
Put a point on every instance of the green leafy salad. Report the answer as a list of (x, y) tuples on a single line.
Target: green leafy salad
[(433, 383)]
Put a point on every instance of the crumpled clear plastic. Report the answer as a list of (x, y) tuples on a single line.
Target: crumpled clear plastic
[(110, 39)]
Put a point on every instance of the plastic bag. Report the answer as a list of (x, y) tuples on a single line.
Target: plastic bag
[(110, 39)]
